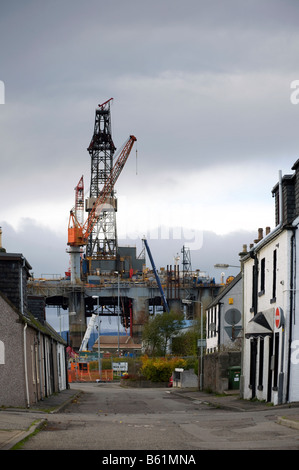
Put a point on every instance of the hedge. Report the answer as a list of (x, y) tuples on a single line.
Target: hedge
[(160, 369)]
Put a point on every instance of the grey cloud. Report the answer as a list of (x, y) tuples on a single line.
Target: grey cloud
[(42, 247), (199, 84), (46, 252)]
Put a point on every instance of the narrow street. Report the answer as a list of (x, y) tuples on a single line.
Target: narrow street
[(107, 417)]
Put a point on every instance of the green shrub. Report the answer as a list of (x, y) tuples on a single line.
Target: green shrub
[(160, 369)]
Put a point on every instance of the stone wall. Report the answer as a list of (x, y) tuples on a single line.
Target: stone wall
[(37, 307), (216, 366), (12, 374)]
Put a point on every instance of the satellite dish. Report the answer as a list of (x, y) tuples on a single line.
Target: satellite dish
[(232, 316), (212, 326)]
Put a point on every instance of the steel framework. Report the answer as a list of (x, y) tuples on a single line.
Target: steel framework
[(102, 243)]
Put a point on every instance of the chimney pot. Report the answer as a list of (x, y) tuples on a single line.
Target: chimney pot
[(260, 233)]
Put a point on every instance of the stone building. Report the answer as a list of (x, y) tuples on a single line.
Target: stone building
[(32, 354)]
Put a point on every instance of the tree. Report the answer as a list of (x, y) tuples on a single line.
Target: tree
[(185, 344), (160, 329)]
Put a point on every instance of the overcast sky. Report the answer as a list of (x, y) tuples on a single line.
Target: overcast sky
[(205, 86)]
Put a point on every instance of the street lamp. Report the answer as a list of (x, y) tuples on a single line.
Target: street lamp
[(188, 302), (225, 266), (116, 272), (99, 328)]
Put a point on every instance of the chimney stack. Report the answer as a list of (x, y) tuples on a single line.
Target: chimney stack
[(2, 250), (244, 252), (260, 236)]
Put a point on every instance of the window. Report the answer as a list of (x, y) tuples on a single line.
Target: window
[(253, 293), (252, 369), (36, 364), (32, 364), (254, 286), (261, 364), (262, 285), (276, 362), (59, 364)]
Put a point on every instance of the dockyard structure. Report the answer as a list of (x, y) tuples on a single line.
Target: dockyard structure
[(105, 278), (131, 299), (32, 354), (270, 369)]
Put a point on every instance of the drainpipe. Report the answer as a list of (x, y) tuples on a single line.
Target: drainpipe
[(292, 309), (242, 393), (220, 304), (280, 197), (25, 366), (253, 255)]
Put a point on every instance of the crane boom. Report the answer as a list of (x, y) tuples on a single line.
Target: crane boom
[(78, 234), (88, 333), (156, 275)]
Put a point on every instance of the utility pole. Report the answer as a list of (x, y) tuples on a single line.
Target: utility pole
[(202, 341)]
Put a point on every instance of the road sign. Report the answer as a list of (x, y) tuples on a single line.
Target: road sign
[(201, 343), (120, 366), (278, 317)]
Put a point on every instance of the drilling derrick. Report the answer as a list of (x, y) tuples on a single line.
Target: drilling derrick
[(102, 242), (78, 234)]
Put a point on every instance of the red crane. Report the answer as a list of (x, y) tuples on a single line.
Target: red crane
[(78, 233)]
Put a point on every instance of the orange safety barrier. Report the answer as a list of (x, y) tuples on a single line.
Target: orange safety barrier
[(80, 372)]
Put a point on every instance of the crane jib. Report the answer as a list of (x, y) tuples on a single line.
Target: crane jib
[(78, 234)]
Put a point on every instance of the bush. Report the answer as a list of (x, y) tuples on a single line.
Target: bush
[(160, 369), (134, 377), (105, 363), (94, 365), (192, 363)]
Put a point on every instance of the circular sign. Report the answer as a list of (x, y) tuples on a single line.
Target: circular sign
[(232, 316), (278, 317)]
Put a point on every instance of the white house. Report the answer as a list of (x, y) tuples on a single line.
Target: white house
[(270, 364), (224, 318)]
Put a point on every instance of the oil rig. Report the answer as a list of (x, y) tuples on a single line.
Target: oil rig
[(103, 277)]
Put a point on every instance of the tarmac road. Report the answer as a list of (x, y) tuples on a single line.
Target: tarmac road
[(107, 417)]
